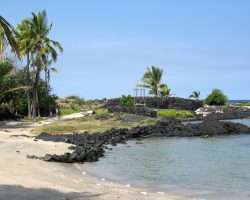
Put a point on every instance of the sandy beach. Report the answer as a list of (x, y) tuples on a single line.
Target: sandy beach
[(23, 179)]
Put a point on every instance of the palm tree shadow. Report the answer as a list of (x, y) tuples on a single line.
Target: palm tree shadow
[(18, 192)]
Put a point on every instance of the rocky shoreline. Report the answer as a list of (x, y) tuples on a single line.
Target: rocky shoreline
[(90, 147)]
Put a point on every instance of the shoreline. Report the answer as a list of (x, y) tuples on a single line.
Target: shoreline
[(36, 179), (33, 176)]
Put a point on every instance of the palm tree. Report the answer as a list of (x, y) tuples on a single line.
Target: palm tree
[(24, 37), (152, 80), (6, 36), (195, 95), (39, 48), (164, 90)]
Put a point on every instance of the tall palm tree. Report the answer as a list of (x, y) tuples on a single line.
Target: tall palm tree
[(6, 36), (152, 80), (40, 48), (195, 95), (24, 38)]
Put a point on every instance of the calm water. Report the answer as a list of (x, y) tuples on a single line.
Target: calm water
[(206, 168)]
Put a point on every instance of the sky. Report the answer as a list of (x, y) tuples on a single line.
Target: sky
[(109, 44)]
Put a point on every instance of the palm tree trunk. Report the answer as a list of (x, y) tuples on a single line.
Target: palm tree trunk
[(157, 102), (28, 84), (38, 106), (34, 93), (47, 91)]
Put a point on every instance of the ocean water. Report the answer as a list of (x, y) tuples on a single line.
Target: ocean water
[(215, 168)]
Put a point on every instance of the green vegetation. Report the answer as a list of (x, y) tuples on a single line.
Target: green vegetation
[(152, 80), (31, 43), (175, 113), (195, 95), (127, 101), (6, 72), (242, 104), (164, 91), (102, 114), (68, 111), (7, 37), (217, 98), (16, 100), (39, 119), (90, 124), (39, 51), (75, 102)]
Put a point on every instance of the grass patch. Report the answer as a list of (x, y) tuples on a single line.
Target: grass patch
[(175, 113), (38, 119), (102, 114), (68, 111), (90, 124)]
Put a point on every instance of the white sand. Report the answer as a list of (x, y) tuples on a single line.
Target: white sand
[(26, 179)]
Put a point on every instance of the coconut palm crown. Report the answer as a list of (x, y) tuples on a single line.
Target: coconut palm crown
[(152, 80)]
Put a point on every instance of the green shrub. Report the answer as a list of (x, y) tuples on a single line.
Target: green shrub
[(18, 99), (175, 113), (101, 114), (75, 101), (68, 111), (217, 97), (127, 101)]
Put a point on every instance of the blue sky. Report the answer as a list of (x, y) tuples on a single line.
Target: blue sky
[(108, 44)]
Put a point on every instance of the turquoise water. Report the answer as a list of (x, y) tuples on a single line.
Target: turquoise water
[(206, 168)]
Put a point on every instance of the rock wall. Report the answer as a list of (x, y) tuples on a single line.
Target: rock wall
[(164, 103), (134, 110)]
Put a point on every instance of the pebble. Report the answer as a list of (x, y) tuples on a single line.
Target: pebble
[(103, 179), (83, 172), (128, 185)]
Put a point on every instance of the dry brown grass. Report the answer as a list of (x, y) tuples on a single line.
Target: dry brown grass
[(90, 124)]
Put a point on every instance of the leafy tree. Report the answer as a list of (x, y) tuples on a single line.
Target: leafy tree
[(6, 70), (127, 101), (17, 99), (195, 95), (217, 97)]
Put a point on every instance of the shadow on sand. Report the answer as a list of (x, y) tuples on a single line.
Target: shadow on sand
[(17, 192)]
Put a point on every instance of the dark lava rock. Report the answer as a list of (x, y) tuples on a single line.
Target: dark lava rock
[(163, 103), (229, 112), (48, 157), (140, 111), (90, 147)]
